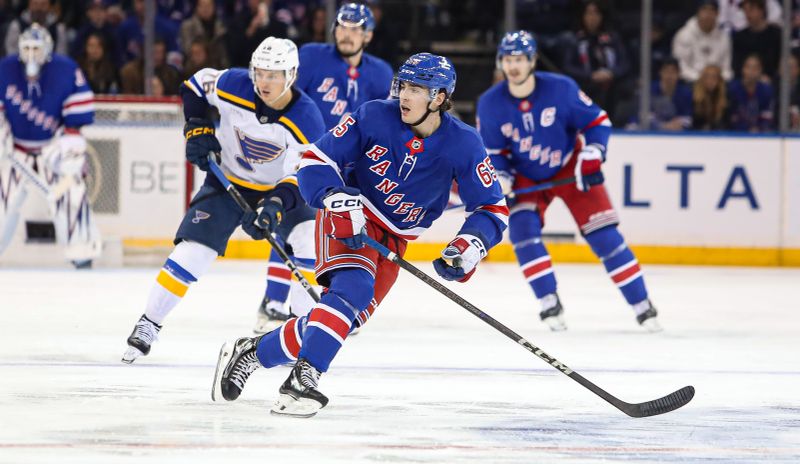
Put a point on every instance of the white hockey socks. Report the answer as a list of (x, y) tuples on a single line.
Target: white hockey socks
[(187, 263)]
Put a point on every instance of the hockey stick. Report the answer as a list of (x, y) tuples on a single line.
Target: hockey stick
[(534, 188), (662, 405), (239, 199)]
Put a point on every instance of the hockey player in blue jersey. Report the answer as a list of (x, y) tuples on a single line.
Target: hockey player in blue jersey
[(265, 126), (339, 78), (45, 100), (403, 156), (537, 127)]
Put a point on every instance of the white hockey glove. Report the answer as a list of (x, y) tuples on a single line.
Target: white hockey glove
[(587, 169), (344, 216), (506, 180), (460, 258)]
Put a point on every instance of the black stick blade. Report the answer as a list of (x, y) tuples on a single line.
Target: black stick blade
[(662, 405)]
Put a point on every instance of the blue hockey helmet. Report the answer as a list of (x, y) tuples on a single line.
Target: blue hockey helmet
[(432, 71), (516, 43), (355, 15)]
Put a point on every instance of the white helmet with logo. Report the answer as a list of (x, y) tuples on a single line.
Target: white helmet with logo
[(35, 49), (274, 54)]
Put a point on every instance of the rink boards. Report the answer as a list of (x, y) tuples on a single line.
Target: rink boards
[(681, 198)]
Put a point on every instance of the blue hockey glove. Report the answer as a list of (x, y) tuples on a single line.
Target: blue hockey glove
[(344, 217), (265, 219), (200, 141), (460, 258)]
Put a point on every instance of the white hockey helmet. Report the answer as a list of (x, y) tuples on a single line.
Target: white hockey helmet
[(35, 49), (274, 54)]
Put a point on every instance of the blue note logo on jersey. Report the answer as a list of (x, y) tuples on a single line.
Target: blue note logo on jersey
[(199, 216), (256, 151)]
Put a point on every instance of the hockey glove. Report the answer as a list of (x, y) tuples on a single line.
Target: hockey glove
[(587, 168), (344, 216), (200, 141), (460, 258), (506, 180), (265, 219)]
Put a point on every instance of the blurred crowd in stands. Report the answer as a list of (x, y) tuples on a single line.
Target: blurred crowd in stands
[(716, 63)]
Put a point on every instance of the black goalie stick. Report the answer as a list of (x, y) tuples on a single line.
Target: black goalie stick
[(655, 407), (239, 199)]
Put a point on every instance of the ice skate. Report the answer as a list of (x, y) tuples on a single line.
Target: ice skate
[(144, 334), (553, 315), (237, 360), (649, 319), (269, 317), (299, 396)]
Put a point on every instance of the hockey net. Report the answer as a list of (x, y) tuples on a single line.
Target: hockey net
[(138, 184)]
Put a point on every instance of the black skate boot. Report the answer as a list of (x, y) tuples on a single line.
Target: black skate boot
[(299, 395), (649, 319), (269, 318), (553, 316), (237, 360), (145, 332)]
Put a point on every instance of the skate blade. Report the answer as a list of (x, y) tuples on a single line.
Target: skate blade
[(131, 354), (652, 325), (225, 354), (556, 323), (286, 405)]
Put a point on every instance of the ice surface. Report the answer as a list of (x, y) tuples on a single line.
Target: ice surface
[(424, 382)]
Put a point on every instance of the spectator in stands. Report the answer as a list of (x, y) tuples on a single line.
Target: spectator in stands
[(132, 74), (204, 25), (710, 99), (596, 57), (96, 23), (131, 36), (38, 11), (317, 27), (384, 38), (701, 42), (670, 100), (249, 27), (97, 66), (732, 18), (751, 99), (200, 57), (794, 92), (759, 37), (6, 14)]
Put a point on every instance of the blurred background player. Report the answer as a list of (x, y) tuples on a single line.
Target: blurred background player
[(45, 100), (265, 125), (537, 127), (339, 78), (403, 155)]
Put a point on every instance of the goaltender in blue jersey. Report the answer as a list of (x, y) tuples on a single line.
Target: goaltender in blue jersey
[(402, 157)]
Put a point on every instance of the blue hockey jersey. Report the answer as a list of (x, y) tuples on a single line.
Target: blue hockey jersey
[(335, 86), (536, 136), (404, 180), (35, 110)]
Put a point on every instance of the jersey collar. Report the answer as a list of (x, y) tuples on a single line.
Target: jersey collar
[(267, 115)]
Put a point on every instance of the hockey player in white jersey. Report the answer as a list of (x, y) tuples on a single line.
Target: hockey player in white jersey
[(44, 102), (265, 125)]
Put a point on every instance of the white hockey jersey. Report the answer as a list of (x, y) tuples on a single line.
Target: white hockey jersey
[(260, 146)]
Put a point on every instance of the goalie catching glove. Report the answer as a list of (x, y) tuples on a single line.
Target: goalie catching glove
[(200, 141), (344, 216), (460, 258), (265, 219)]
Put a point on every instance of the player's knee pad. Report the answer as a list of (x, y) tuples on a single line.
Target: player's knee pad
[(606, 242), (194, 257), (354, 286), (301, 239), (523, 225)]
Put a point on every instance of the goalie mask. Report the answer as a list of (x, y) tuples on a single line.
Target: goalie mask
[(275, 54), (35, 49)]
